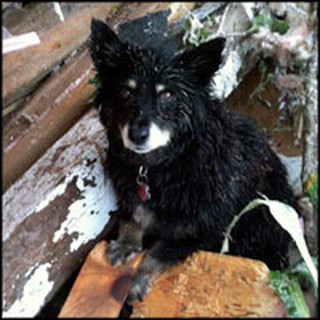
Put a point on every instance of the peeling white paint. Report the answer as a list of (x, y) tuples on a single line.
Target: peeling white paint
[(34, 294), (41, 184), (59, 190), (89, 215), (226, 79)]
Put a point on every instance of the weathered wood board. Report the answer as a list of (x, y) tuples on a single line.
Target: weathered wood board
[(52, 217)]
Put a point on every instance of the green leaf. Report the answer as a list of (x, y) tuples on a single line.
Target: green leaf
[(289, 291), (95, 81), (280, 26), (312, 189), (262, 20), (274, 24), (115, 9), (301, 270)]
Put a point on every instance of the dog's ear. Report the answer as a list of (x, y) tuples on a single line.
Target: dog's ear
[(204, 60), (105, 46)]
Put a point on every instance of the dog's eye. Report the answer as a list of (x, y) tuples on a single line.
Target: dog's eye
[(165, 95), (126, 93)]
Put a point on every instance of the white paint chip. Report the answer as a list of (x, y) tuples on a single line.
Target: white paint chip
[(34, 294), (58, 10), (89, 215)]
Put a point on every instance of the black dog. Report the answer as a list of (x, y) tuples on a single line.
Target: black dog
[(181, 164)]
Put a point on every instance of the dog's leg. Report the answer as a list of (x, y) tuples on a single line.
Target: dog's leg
[(128, 244), (161, 256)]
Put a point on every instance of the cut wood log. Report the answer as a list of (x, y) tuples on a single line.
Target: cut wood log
[(100, 288), (212, 285)]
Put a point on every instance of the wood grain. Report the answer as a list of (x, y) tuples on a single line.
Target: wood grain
[(100, 289), (212, 285)]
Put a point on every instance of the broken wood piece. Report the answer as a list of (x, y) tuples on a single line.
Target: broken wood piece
[(100, 288), (19, 42), (212, 285), (177, 9)]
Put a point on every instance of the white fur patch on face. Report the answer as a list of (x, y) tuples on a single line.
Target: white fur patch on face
[(157, 138)]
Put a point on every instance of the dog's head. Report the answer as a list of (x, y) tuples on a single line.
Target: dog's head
[(151, 103)]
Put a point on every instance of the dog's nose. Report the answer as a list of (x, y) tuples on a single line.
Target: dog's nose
[(139, 132)]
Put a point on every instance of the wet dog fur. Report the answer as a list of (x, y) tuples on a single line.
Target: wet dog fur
[(204, 162)]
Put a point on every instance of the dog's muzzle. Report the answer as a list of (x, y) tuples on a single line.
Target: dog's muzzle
[(143, 137)]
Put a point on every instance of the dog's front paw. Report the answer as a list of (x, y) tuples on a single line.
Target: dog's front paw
[(122, 251), (140, 288)]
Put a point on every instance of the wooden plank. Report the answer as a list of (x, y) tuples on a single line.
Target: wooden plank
[(52, 217), (212, 285), (100, 288), (48, 115), (22, 70)]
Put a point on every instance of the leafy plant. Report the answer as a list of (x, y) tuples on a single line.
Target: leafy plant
[(274, 24), (288, 289), (196, 32), (288, 219), (285, 283)]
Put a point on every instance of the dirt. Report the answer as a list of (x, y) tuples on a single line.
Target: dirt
[(281, 134)]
